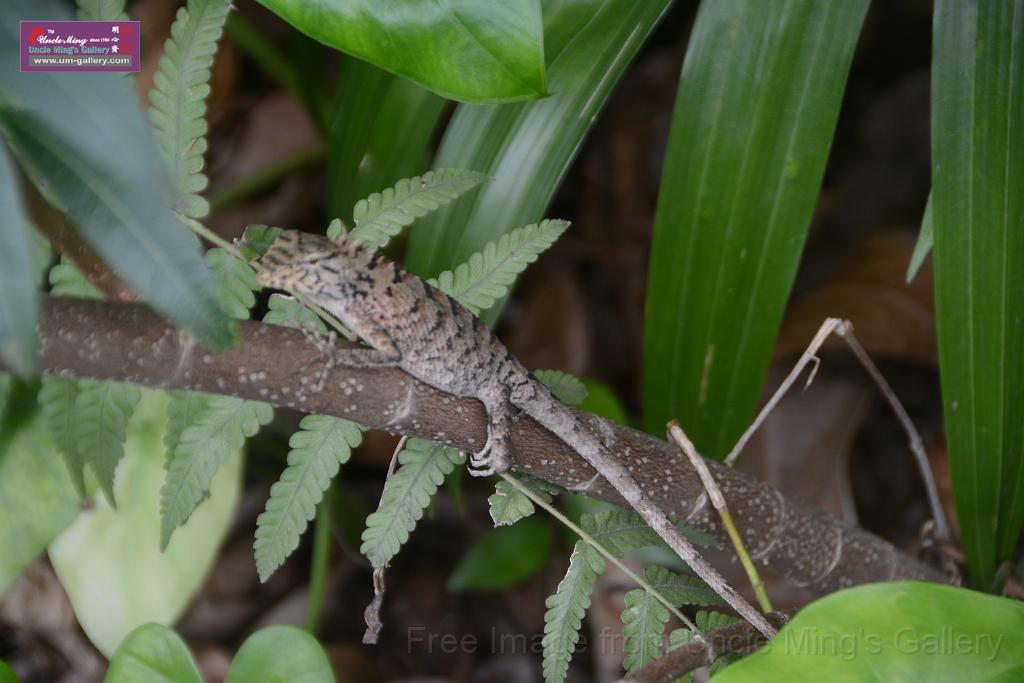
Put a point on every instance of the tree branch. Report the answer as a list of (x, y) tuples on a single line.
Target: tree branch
[(130, 343)]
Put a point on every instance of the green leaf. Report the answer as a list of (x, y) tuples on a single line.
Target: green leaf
[(488, 274), (756, 108), (508, 505), (622, 531), (321, 445), (469, 50), (178, 98), (67, 280), (152, 653), (602, 401), (7, 674), (925, 240), (57, 400), (528, 147), (100, 415), (680, 589), (382, 215), (281, 654), (289, 312), (643, 624), (256, 240), (236, 282), (395, 118), (503, 557), (100, 10), (406, 494), (978, 213), (564, 386), (218, 431), (565, 610), (110, 562), (902, 631), (37, 497), (183, 410), (103, 168), (17, 277)]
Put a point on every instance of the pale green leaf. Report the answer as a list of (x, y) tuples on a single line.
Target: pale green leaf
[(281, 654), (643, 624), (382, 215), (67, 280), (57, 400), (218, 431), (152, 653), (100, 10), (508, 504), (564, 386), (320, 446), (290, 312), (565, 610), (101, 414), (256, 239), (236, 282), (423, 467), (178, 97), (488, 274)]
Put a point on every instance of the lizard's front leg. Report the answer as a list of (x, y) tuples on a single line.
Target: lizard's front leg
[(496, 455)]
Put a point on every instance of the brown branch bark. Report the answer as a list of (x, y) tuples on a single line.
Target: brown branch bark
[(702, 652), (130, 343)]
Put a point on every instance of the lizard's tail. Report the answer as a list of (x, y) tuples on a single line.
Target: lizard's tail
[(576, 431)]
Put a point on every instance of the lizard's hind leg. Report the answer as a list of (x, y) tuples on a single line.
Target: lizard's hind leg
[(496, 455)]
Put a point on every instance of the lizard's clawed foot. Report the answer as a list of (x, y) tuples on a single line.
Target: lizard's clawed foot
[(493, 458)]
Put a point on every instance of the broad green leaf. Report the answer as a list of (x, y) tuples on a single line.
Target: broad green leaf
[(488, 274), (925, 240), (289, 312), (902, 631), (395, 119), (103, 168), (469, 50), (318, 449), (281, 654), (756, 108), (978, 214), (178, 98), (643, 625), (152, 654), (17, 278), (504, 557), (565, 610), (235, 281), (383, 214), (527, 148), (101, 414), (564, 386), (423, 467), (217, 433), (508, 505), (110, 562), (37, 497)]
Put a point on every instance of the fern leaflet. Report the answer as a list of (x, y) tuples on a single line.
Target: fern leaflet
[(382, 215), (100, 10), (183, 410), (256, 240), (219, 430), (67, 280), (289, 312), (680, 589), (565, 387), (565, 610), (57, 400), (622, 531), (101, 414), (488, 274), (178, 97), (318, 449), (508, 504), (643, 624), (407, 493), (236, 282), (706, 622)]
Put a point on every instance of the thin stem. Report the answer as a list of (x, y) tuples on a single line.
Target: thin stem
[(321, 558), (207, 234), (587, 538)]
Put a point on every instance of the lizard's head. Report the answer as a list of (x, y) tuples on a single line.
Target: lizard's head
[(295, 262)]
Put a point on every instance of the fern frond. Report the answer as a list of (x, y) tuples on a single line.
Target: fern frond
[(256, 240), (565, 610), (289, 312), (382, 215), (57, 398), (622, 531), (178, 97), (236, 282), (643, 625), (101, 414), (318, 449), (565, 387), (509, 505), (424, 465), (680, 589), (488, 274), (183, 410), (221, 429), (67, 280), (100, 10)]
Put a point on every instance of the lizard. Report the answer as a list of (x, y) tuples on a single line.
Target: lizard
[(409, 324)]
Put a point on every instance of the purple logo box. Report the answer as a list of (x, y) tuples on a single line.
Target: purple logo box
[(80, 46)]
